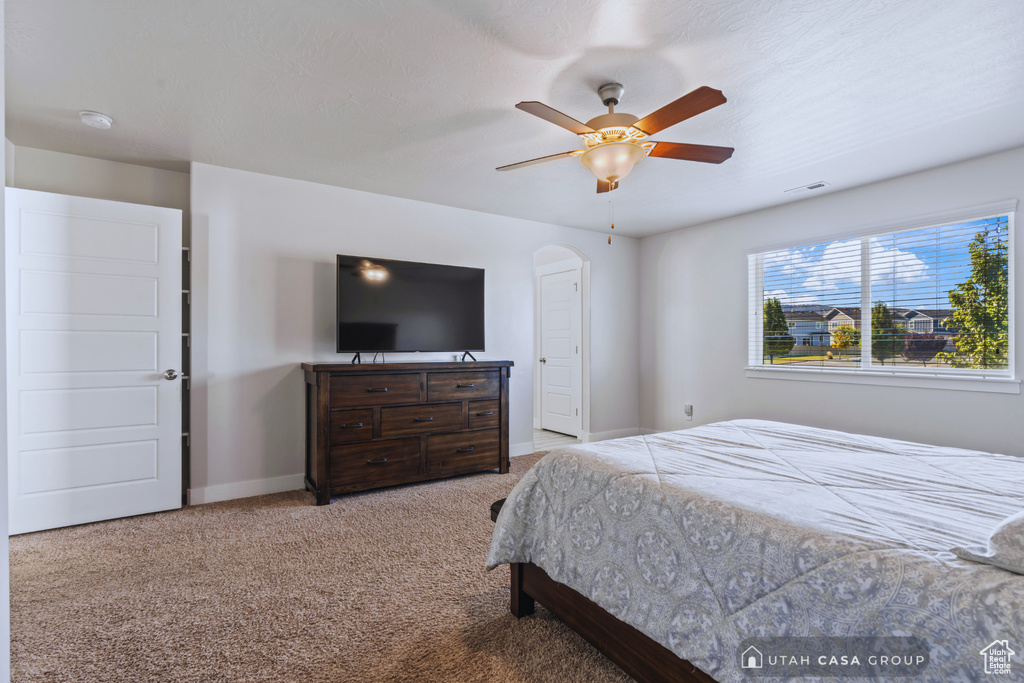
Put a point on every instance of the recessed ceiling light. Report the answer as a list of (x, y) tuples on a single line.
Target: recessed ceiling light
[(96, 119)]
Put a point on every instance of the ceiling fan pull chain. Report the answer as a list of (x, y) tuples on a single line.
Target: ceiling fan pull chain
[(611, 221)]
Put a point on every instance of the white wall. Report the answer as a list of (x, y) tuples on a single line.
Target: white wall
[(693, 316), (263, 277), (8, 163), (46, 171), (5, 575)]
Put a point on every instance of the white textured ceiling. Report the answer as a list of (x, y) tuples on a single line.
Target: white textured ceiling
[(415, 98)]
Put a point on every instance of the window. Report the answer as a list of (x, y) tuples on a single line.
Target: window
[(932, 301)]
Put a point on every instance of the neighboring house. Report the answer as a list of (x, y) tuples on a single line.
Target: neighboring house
[(808, 328), (840, 317), (926, 321), (915, 320)]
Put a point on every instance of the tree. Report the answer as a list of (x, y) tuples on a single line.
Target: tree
[(887, 340), (777, 339), (845, 336), (981, 306), (920, 347)]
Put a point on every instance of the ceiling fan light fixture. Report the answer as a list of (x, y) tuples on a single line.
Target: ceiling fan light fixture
[(612, 161)]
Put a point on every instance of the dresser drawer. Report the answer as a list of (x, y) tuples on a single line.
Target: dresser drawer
[(421, 419), (483, 414), (351, 425), (375, 461), (373, 390), (467, 450), (447, 386)]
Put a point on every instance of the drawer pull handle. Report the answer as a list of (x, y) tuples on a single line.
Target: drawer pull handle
[(377, 462), (371, 390), (423, 419), (464, 386), (467, 449), (489, 412), (354, 425)]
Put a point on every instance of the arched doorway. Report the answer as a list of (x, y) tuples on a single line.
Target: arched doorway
[(562, 341)]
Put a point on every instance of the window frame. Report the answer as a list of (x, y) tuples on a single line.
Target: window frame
[(869, 372)]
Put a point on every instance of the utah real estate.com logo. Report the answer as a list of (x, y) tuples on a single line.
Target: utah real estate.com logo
[(997, 657)]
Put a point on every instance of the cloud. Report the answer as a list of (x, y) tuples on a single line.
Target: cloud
[(895, 266), (838, 265), (787, 298)]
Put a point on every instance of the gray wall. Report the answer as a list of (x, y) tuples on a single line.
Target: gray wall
[(264, 261), (693, 319)]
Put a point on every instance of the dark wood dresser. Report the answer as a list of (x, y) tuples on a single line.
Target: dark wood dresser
[(381, 424)]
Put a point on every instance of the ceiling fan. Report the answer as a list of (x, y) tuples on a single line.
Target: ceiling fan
[(615, 143)]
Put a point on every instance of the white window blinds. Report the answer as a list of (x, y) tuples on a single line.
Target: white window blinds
[(934, 299)]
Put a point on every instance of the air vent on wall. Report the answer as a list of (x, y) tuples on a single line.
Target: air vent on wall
[(820, 185)]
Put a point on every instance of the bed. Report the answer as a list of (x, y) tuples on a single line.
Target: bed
[(673, 551)]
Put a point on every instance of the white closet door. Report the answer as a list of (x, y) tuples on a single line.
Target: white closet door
[(93, 323), (560, 374)]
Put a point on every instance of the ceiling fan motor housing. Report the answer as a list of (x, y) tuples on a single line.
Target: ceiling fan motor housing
[(611, 93), (615, 120)]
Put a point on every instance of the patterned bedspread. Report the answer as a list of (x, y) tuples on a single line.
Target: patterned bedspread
[(707, 537)]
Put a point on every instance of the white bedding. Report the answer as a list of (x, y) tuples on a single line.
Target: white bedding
[(709, 536)]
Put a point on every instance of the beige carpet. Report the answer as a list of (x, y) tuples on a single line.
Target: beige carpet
[(381, 586)]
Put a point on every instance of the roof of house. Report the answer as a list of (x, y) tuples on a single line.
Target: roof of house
[(933, 313), (850, 312), (804, 316)]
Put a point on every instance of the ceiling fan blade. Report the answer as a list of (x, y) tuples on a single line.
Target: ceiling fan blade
[(554, 116), (605, 186), (691, 104), (678, 150), (538, 160)]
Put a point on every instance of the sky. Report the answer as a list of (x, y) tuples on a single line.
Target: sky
[(912, 269)]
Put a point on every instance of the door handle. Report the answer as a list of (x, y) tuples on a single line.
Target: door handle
[(543, 360), (171, 374)]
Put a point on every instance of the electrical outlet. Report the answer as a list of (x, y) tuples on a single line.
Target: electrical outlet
[(688, 411)]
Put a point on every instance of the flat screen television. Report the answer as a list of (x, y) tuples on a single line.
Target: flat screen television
[(403, 306)]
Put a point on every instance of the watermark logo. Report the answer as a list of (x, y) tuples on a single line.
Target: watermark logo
[(997, 657), (799, 657)]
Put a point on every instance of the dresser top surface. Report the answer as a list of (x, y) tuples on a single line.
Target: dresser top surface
[(406, 367)]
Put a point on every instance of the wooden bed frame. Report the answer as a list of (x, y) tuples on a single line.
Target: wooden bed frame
[(635, 653)]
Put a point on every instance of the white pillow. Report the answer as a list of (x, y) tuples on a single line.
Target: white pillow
[(1005, 546)]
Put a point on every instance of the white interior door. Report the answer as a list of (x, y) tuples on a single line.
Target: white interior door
[(560, 340), (93, 322)]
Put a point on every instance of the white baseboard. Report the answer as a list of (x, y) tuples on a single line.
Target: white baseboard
[(245, 489), (524, 448), (590, 437)]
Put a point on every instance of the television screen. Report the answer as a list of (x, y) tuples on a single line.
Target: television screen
[(402, 306)]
